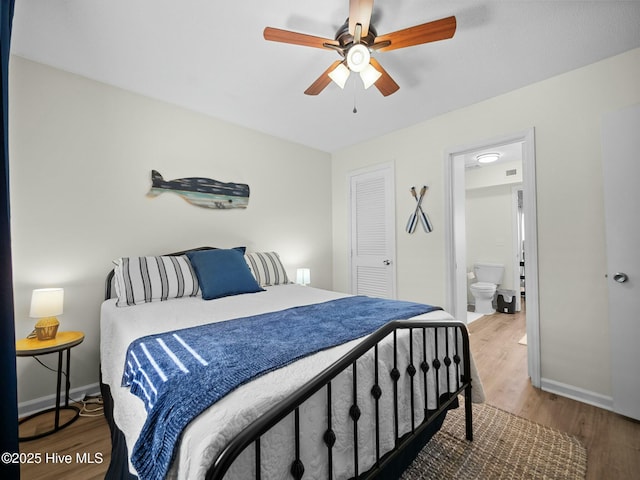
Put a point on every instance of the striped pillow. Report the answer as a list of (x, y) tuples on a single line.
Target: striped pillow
[(149, 279), (267, 268)]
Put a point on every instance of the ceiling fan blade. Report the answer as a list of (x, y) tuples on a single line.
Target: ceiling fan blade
[(360, 12), (322, 81), (385, 83), (286, 36), (425, 33)]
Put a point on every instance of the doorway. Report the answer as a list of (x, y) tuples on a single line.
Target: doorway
[(457, 273)]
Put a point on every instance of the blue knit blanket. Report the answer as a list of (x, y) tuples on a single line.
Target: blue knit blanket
[(179, 374)]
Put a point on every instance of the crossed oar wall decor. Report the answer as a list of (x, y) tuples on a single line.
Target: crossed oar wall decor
[(418, 214)]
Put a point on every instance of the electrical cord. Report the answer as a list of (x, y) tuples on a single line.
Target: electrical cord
[(88, 400), (96, 411)]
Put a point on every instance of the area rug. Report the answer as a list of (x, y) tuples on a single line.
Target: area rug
[(504, 446)]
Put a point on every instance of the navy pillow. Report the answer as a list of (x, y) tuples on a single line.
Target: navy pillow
[(223, 272)]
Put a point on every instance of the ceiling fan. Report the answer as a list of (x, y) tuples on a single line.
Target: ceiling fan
[(356, 39)]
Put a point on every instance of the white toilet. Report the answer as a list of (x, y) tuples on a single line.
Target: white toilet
[(488, 276)]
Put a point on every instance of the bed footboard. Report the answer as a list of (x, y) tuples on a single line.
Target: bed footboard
[(423, 380)]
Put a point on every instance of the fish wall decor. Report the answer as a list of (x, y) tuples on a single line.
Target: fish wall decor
[(202, 192)]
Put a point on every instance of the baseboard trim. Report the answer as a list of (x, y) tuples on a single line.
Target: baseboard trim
[(38, 404), (576, 393)]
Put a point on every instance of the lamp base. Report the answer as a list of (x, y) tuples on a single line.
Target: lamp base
[(47, 328)]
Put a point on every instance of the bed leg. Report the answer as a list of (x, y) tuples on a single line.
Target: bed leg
[(468, 413)]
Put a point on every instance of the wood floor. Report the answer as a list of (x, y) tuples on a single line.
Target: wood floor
[(80, 451), (612, 441)]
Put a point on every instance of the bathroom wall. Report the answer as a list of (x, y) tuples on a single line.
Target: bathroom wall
[(490, 220), (493, 174), (490, 231)]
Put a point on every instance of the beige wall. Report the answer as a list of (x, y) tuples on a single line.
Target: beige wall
[(81, 155), (81, 158), (566, 112)]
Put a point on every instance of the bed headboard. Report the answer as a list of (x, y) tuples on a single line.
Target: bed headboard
[(108, 289)]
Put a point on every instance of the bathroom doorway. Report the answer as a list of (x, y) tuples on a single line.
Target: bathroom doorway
[(492, 227), (459, 268)]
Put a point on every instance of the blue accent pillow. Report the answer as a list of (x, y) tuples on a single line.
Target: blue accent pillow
[(223, 272)]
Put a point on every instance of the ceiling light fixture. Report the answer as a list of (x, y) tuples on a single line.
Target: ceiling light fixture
[(340, 75), (487, 157), (358, 60), (358, 57), (369, 76)]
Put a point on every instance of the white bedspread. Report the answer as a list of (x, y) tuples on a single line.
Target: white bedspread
[(204, 438)]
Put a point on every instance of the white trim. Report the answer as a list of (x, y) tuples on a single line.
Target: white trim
[(576, 393), (49, 401), (531, 255), (454, 237), (455, 257), (516, 243)]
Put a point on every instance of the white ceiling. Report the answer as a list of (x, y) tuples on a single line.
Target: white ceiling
[(210, 56)]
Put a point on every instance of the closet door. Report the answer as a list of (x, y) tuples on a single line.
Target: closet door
[(373, 233), (621, 173)]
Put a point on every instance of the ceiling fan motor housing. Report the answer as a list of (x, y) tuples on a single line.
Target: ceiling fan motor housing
[(345, 39)]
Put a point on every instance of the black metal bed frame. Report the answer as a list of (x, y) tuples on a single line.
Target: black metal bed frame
[(445, 359), (459, 361)]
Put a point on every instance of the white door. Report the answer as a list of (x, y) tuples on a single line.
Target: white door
[(621, 171), (373, 233)]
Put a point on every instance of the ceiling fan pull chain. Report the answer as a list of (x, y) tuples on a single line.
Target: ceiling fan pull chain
[(355, 110)]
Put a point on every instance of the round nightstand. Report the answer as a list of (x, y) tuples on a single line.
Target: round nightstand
[(32, 347)]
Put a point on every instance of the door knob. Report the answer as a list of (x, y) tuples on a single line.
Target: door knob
[(620, 277), (387, 262)]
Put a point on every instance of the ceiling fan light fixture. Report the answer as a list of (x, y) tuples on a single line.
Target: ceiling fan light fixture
[(340, 75), (487, 157), (369, 76), (358, 58), (356, 39)]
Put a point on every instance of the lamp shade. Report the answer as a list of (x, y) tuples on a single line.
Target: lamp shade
[(369, 76), (339, 75), (303, 276), (46, 302)]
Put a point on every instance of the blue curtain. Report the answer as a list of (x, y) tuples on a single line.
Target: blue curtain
[(8, 390)]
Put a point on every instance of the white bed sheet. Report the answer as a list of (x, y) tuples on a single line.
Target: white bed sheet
[(201, 442)]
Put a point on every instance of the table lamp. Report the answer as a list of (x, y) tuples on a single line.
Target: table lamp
[(303, 276), (46, 303)]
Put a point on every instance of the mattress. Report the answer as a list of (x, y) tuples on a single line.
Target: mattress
[(204, 438)]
